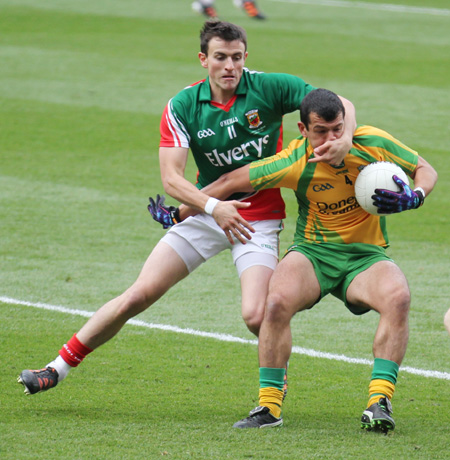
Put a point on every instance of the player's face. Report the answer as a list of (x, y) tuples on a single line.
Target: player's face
[(225, 62), (320, 131)]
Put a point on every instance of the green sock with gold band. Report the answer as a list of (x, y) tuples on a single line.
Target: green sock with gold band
[(384, 378), (271, 382)]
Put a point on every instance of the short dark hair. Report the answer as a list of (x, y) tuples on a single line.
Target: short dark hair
[(221, 29), (323, 102)]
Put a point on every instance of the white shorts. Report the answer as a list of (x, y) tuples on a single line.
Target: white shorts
[(198, 238)]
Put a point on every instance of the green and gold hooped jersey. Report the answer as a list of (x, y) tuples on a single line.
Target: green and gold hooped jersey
[(328, 210), (225, 137)]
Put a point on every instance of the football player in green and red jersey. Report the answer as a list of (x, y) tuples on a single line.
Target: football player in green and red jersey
[(228, 120)]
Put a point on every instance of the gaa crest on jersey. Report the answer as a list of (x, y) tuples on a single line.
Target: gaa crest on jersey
[(253, 118)]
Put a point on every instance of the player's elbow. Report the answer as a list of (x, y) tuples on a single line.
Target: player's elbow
[(434, 176), (169, 183)]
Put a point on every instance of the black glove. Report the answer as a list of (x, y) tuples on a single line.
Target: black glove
[(165, 215)]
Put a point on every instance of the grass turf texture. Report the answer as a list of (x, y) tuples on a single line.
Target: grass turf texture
[(122, 403), (81, 93)]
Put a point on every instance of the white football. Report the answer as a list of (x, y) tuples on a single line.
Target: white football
[(376, 175)]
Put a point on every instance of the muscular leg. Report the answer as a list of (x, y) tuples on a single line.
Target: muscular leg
[(383, 288), (254, 289), (293, 287), (162, 270)]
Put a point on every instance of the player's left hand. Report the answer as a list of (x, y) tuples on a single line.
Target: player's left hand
[(389, 202), (332, 152), (230, 221), (165, 215)]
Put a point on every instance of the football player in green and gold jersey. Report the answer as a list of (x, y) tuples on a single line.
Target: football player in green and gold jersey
[(338, 248)]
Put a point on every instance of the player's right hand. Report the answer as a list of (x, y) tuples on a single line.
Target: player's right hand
[(230, 221), (165, 215)]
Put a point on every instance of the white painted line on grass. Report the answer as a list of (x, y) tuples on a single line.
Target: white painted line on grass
[(372, 6), (221, 337)]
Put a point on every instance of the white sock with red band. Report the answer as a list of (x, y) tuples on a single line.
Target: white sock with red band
[(70, 355)]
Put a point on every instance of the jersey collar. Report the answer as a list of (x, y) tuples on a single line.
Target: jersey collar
[(205, 89)]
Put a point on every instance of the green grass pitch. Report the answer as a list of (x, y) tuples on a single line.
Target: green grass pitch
[(82, 88)]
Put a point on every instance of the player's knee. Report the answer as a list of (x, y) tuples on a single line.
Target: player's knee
[(399, 299), (253, 316), (403, 298), (133, 302), (277, 310)]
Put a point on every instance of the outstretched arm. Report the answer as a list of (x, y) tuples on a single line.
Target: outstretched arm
[(172, 163), (235, 181)]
